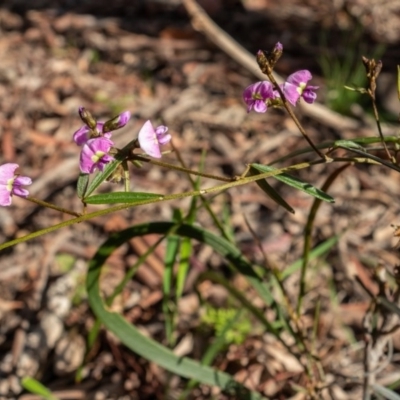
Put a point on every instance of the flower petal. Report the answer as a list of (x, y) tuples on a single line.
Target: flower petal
[(19, 191), (299, 77), (5, 196), (22, 180), (291, 93), (83, 134), (7, 171), (309, 95), (148, 141), (260, 106)]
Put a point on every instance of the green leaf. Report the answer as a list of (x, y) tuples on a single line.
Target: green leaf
[(102, 176), (270, 191), (35, 387), (121, 197), (147, 347), (296, 183), (385, 392), (83, 182), (348, 144)]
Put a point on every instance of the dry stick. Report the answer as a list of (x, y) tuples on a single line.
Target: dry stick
[(203, 23)]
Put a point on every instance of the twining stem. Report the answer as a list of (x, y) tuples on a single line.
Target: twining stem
[(52, 206), (378, 124), (292, 115), (181, 169)]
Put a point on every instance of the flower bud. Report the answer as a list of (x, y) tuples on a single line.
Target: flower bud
[(87, 118), (117, 122)]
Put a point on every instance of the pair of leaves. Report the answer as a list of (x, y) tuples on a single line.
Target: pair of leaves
[(288, 180)]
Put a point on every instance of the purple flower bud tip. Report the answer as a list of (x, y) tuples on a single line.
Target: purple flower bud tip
[(124, 118), (150, 139), (278, 46), (11, 184)]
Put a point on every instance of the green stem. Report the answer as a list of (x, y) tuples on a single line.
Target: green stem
[(292, 115), (378, 123), (182, 169), (52, 206)]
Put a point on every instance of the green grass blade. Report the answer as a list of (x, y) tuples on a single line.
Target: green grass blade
[(35, 387), (315, 253), (183, 267), (386, 393)]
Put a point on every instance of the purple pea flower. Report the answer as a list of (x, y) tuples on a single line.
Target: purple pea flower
[(256, 96), (94, 155), (84, 133), (10, 183), (296, 87), (150, 139)]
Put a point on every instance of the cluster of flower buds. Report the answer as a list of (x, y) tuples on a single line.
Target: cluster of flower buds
[(261, 95)]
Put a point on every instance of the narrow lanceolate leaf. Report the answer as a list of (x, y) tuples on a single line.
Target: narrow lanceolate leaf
[(121, 197), (348, 144), (296, 183), (81, 187), (270, 191), (102, 176)]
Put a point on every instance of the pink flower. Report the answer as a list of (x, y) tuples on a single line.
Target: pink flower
[(296, 87), (150, 139), (10, 183), (94, 155), (84, 133), (257, 95)]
